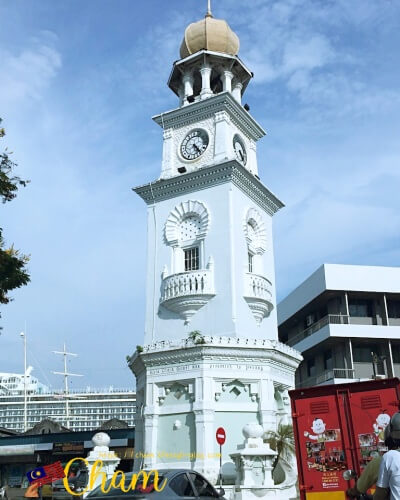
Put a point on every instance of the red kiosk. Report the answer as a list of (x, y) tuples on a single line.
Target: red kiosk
[(339, 427)]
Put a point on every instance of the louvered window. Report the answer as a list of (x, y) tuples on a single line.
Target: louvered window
[(373, 401), (319, 407)]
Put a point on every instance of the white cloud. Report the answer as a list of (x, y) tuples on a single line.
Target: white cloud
[(27, 73), (306, 54), (322, 52)]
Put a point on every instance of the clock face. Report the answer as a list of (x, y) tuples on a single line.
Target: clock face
[(240, 150), (194, 144)]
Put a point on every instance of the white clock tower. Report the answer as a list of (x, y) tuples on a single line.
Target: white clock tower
[(211, 356)]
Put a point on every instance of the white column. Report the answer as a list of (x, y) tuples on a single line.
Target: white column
[(137, 460), (139, 420), (204, 413), (188, 87), (177, 260), (232, 244), (205, 82), (168, 154), (237, 92), (346, 301), (227, 81), (205, 438), (202, 260), (150, 441), (386, 310), (222, 148), (267, 405), (392, 374), (252, 158), (350, 346)]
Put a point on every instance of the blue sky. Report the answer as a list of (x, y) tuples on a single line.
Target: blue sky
[(80, 81)]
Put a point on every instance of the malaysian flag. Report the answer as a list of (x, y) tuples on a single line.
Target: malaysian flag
[(46, 474)]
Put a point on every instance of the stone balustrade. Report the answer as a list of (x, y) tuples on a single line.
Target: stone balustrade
[(188, 283), (186, 293), (257, 286), (223, 341), (258, 295)]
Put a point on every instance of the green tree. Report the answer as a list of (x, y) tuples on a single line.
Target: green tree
[(13, 272), (281, 441)]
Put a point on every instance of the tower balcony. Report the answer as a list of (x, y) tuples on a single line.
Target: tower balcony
[(258, 295), (185, 293)]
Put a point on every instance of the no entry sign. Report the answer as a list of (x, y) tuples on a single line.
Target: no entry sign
[(220, 435)]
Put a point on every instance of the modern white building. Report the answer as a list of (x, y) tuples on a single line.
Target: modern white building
[(345, 320), (87, 409), (211, 355)]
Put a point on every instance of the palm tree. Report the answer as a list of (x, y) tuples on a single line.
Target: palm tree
[(281, 441)]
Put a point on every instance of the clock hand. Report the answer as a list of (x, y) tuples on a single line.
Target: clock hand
[(196, 147), (241, 155)]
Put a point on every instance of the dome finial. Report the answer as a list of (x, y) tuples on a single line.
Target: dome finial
[(209, 13)]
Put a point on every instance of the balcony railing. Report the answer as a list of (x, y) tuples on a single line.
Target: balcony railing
[(185, 293), (330, 319), (343, 373), (258, 295), (189, 283), (258, 286)]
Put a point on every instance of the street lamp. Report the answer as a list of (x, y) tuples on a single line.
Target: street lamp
[(23, 336)]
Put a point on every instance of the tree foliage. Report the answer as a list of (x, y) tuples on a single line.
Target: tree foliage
[(281, 441), (13, 272)]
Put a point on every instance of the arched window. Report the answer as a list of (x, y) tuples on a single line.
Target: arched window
[(255, 235), (185, 231)]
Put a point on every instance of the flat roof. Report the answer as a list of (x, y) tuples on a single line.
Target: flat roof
[(65, 437), (339, 277)]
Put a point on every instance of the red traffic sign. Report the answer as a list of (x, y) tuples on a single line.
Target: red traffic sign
[(220, 435)]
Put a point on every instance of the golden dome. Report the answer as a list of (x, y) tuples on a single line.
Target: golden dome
[(210, 34)]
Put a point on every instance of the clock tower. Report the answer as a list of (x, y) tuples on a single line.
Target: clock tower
[(211, 356)]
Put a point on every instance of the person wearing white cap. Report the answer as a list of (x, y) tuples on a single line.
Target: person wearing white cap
[(388, 484)]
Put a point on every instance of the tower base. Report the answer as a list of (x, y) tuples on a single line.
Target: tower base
[(187, 389)]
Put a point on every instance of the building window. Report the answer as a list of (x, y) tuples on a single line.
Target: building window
[(396, 354), (250, 262), (393, 307), (363, 354), (328, 360), (360, 308), (311, 371), (192, 259)]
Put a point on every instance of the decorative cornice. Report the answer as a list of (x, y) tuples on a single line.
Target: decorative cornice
[(269, 352), (204, 178), (207, 108)]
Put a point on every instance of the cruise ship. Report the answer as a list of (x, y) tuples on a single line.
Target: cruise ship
[(79, 410)]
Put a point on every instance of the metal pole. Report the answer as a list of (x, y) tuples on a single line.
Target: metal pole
[(385, 308), (66, 386), (65, 374), (23, 335), (220, 466)]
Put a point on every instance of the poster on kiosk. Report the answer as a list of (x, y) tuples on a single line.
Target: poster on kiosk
[(339, 427)]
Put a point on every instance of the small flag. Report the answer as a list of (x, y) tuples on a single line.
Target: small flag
[(46, 474), (36, 474)]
